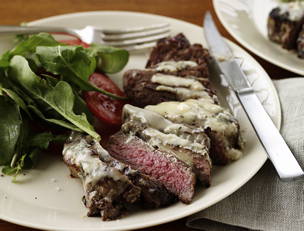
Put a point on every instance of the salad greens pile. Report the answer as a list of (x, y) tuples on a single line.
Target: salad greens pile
[(41, 82)]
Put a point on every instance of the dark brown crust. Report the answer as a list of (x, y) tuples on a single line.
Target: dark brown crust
[(138, 86), (300, 44), (119, 195), (178, 48), (217, 149), (141, 91), (282, 30), (153, 194), (201, 166), (123, 193)]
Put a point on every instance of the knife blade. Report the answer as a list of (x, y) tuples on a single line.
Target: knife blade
[(276, 148)]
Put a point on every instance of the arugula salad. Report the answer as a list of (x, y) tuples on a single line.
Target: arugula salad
[(42, 82)]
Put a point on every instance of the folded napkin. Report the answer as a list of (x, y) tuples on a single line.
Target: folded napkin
[(265, 202)]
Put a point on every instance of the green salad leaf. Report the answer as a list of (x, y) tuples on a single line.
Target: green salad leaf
[(42, 81), (60, 98), (33, 145), (73, 63), (15, 97), (10, 126), (109, 59), (28, 46)]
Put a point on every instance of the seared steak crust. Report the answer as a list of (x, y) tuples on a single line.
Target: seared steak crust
[(141, 91), (107, 191), (178, 48), (282, 29)]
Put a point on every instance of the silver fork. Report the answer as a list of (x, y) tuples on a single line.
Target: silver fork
[(136, 38)]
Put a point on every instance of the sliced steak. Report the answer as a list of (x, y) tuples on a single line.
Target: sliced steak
[(222, 128), (150, 87), (178, 48), (190, 145), (300, 44), (107, 191), (162, 166), (175, 70), (284, 24), (153, 194), (141, 91)]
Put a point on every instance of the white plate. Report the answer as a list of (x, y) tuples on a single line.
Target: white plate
[(246, 21), (36, 202)]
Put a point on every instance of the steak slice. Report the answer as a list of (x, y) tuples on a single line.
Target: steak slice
[(300, 44), (150, 87), (159, 165), (190, 145), (284, 24), (107, 191), (153, 194), (141, 91), (221, 127), (172, 62), (178, 48)]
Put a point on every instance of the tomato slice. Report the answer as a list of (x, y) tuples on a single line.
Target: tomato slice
[(75, 42), (106, 109)]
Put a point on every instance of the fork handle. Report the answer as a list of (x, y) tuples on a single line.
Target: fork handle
[(32, 29)]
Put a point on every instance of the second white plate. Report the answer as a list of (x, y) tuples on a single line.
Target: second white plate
[(246, 21)]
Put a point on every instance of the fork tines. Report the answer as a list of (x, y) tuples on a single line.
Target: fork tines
[(135, 38)]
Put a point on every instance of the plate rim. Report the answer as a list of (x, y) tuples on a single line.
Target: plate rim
[(247, 45), (187, 212)]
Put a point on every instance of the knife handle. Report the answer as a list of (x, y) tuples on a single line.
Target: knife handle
[(276, 148)]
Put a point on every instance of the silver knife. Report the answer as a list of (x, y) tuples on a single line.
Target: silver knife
[(276, 148)]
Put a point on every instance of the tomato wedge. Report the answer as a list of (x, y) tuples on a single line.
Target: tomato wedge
[(75, 42), (106, 109)]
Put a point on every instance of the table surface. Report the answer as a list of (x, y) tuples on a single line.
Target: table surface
[(14, 12)]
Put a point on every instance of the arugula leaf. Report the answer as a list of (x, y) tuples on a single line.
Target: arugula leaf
[(26, 161), (109, 59), (60, 98), (73, 63), (31, 151), (15, 97), (59, 122), (67, 60), (42, 140), (28, 46), (15, 170), (10, 125), (80, 106)]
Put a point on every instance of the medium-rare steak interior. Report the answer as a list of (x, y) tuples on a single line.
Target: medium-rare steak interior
[(188, 144), (169, 152), (110, 185)]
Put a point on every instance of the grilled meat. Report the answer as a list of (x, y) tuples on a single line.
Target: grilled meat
[(221, 127), (284, 24), (157, 146), (107, 191), (178, 48)]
